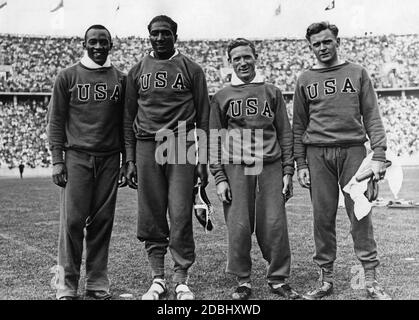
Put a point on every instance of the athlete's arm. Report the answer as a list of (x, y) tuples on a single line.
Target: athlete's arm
[(130, 112), (57, 119), (202, 106), (299, 125), (217, 123), (372, 119), (284, 134)]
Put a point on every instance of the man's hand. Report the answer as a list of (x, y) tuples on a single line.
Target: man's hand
[(131, 175), (379, 169), (59, 174), (224, 192), (122, 180), (303, 176), (201, 171), (287, 190)]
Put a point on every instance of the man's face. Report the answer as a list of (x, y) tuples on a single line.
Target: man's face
[(162, 39), (324, 45), (243, 61), (98, 44)]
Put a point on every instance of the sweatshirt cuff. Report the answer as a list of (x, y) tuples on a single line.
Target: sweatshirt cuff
[(301, 163), (218, 173), (288, 170), (379, 154), (130, 155), (220, 177), (57, 155)]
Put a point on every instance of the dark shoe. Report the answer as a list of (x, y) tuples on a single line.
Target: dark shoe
[(242, 293), (67, 298), (284, 291), (318, 293), (98, 294), (376, 292)]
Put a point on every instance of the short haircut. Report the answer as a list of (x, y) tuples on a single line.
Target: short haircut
[(97, 26), (173, 25), (317, 27), (240, 42)]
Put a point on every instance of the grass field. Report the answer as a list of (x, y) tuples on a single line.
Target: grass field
[(29, 235)]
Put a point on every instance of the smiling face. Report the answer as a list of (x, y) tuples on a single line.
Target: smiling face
[(98, 44), (162, 39), (243, 61), (325, 45)]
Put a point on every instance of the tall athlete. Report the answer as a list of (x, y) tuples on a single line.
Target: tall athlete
[(166, 91), (335, 107), (86, 141), (253, 201)]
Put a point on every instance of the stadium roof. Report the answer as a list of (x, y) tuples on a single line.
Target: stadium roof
[(209, 19)]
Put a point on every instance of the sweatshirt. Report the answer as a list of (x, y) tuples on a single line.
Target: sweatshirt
[(256, 105), (160, 94), (85, 111), (336, 106)]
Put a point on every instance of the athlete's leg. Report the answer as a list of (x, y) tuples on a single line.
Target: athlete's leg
[(100, 221), (75, 201)]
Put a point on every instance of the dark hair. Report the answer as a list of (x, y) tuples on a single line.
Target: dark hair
[(317, 27), (173, 25), (240, 42), (97, 26)]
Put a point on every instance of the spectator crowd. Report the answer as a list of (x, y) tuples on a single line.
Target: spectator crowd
[(23, 130), (23, 136), (392, 62)]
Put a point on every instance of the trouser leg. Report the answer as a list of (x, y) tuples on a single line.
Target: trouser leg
[(75, 201), (324, 196), (271, 222), (100, 221), (239, 217), (152, 227), (361, 230), (180, 178)]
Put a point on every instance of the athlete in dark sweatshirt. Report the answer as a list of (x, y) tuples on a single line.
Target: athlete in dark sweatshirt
[(254, 172), (85, 137), (335, 109), (166, 93)]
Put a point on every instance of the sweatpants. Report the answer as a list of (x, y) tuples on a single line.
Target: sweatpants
[(87, 208), (330, 167), (165, 190), (257, 206)]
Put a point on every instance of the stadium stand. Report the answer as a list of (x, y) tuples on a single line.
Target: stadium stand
[(392, 62)]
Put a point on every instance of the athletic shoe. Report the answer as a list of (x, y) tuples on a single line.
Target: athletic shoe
[(284, 290), (324, 290), (242, 292), (182, 292), (157, 290), (376, 292)]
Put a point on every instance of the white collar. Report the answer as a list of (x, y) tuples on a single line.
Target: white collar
[(176, 53), (89, 63), (235, 81)]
